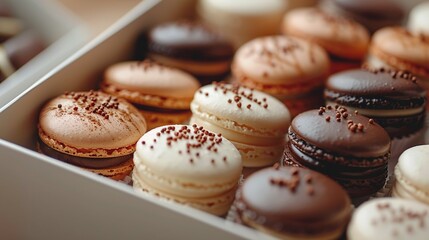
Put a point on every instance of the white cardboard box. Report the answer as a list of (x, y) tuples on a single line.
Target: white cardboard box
[(43, 198), (62, 32)]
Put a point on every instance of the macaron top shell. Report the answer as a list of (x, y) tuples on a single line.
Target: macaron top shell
[(400, 43), (390, 218), (91, 124), (294, 195), (329, 31), (414, 166), (244, 106), (281, 60), (381, 83), (151, 78), (189, 154), (341, 132), (189, 40)]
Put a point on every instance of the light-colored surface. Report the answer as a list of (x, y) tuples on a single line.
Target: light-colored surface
[(389, 218), (243, 20), (64, 202), (62, 32), (98, 15), (419, 18)]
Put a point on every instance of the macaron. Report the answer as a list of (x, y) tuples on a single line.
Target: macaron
[(92, 130), (392, 98), (345, 40), (291, 69), (189, 165), (412, 180), (398, 48), (242, 20), (371, 14), (418, 19), (253, 121), (389, 218), (162, 94), (346, 146), (192, 47), (293, 203)]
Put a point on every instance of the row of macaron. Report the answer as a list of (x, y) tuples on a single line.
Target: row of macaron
[(292, 67)]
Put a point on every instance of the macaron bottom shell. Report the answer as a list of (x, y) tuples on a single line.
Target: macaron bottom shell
[(117, 173), (217, 205)]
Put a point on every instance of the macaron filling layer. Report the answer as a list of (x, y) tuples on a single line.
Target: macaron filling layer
[(95, 163)]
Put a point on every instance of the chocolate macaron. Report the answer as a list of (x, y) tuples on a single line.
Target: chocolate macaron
[(162, 94), (350, 148), (92, 130), (192, 47), (372, 14), (293, 203), (392, 98)]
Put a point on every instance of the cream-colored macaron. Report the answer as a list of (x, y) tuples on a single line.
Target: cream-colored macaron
[(389, 218), (418, 20), (161, 93), (255, 122), (411, 172), (243, 20), (288, 68), (340, 36), (398, 48), (189, 165)]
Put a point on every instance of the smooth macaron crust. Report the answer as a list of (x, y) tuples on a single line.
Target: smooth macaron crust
[(291, 69), (418, 19), (192, 47), (371, 14), (243, 20), (392, 98), (389, 218), (398, 48), (255, 122), (348, 147), (411, 174), (189, 165), (92, 130), (162, 94), (293, 203), (340, 37)]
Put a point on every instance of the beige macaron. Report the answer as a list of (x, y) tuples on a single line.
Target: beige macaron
[(255, 122), (344, 39), (92, 130), (411, 172), (161, 93), (189, 165), (389, 218), (398, 48), (291, 69)]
